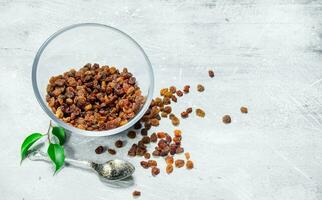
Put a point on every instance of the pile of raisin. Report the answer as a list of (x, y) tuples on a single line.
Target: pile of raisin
[(94, 97)]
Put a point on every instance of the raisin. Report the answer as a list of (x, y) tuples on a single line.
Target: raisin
[(169, 169), (131, 134), (144, 132), (119, 143), (211, 73), (189, 110), (169, 160), (166, 101), (132, 152), (189, 164), (177, 133), (176, 139), (172, 89), (144, 164), (155, 171), (111, 151), (164, 114), (146, 139), (186, 89), (200, 112), (153, 137), (137, 125), (226, 119), (200, 88), (184, 114), (136, 193), (147, 125), (179, 163), (156, 153), (99, 150), (165, 151), (244, 109), (179, 150), (161, 135), (187, 155), (163, 91), (167, 109), (154, 122), (175, 121), (179, 93), (152, 163), (162, 143), (174, 98), (168, 138), (147, 155)]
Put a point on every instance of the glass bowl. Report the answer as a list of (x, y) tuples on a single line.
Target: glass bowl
[(76, 45)]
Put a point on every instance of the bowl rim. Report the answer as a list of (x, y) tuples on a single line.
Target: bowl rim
[(73, 129)]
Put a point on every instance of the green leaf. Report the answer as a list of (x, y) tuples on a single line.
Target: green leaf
[(57, 155), (59, 132), (28, 142)]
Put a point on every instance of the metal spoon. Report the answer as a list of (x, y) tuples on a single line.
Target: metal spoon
[(112, 170)]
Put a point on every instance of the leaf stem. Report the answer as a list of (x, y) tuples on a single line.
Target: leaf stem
[(48, 132)]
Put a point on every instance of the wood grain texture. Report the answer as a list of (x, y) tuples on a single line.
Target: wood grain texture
[(267, 56)]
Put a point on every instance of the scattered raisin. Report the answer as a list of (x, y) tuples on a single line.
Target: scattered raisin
[(152, 163), (171, 116), (111, 151), (177, 133), (137, 125), (169, 160), (131, 134), (146, 139), (184, 114), (99, 150), (154, 122), (119, 143), (200, 112), (164, 114), (244, 109), (173, 89), (189, 110), (211, 73), (147, 155), (144, 164), (167, 109), (161, 135), (179, 163), (156, 153), (200, 88), (186, 88), (155, 171), (153, 137), (189, 164), (169, 169), (179, 93), (144, 132), (174, 98), (175, 121), (136, 193), (187, 155), (179, 150), (226, 119)]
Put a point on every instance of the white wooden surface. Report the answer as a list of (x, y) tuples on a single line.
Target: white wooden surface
[(266, 54)]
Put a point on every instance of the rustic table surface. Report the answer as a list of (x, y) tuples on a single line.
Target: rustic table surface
[(266, 55)]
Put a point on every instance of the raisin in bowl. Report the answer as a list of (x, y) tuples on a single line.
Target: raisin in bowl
[(91, 59)]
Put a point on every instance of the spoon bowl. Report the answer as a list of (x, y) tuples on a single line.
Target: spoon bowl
[(114, 169)]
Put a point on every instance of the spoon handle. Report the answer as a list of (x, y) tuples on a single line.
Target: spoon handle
[(41, 156)]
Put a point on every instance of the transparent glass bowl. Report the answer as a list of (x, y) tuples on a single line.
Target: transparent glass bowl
[(76, 45)]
